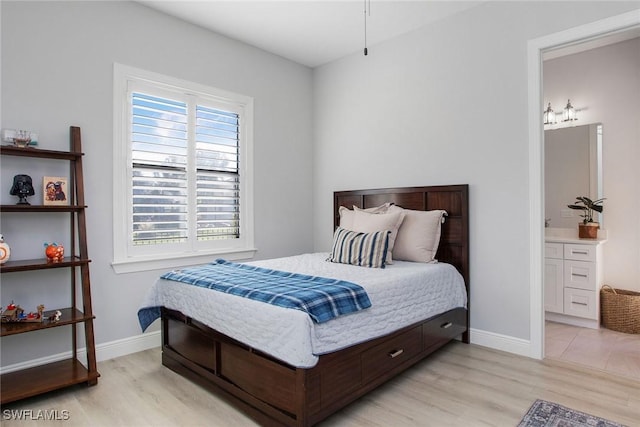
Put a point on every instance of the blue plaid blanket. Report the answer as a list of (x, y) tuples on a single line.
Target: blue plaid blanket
[(322, 298)]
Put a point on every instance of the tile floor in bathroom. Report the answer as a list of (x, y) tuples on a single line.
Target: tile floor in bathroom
[(603, 349)]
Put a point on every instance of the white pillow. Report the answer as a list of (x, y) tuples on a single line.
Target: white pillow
[(368, 222), (419, 236), (346, 214)]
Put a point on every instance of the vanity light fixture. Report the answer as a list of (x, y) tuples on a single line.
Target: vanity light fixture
[(549, 116), (569, 113)]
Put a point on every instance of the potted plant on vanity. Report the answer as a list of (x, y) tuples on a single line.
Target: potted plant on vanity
[(588, 228)]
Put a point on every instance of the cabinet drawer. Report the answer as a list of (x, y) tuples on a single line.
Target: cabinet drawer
[(553, 250), (386, 356), (580, 274), (580, 252), (580, 303)]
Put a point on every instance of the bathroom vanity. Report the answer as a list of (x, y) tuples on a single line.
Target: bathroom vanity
[(573, 277)]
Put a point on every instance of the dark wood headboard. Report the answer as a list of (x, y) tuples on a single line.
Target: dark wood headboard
[(454, 241)]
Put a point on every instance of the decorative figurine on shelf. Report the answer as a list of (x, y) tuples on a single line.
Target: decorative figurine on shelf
[(22, 187), (55, 317), (39, 315), (15, 313), (54, 252), (11, 313), (5, 250)]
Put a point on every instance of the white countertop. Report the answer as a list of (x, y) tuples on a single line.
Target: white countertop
[(570, 235)]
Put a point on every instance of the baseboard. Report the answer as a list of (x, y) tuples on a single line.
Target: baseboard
[(149, 340), (501, 342), (105, 351), (125, 346), (571, 320)]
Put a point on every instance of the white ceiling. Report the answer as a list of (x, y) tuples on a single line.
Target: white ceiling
[(310, 32)]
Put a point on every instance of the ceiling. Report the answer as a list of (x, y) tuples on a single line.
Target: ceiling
[(310, 32)]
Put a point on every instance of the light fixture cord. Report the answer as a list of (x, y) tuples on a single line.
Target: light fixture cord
[(366, 52)]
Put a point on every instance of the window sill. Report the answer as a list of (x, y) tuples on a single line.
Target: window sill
[(135, 265)]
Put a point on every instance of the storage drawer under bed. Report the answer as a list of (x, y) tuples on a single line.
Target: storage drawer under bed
[(275, 388), (265, 379), (189, 341), (392, 353), (446, 326)]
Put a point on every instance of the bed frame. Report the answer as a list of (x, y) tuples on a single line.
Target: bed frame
[(274, 393)]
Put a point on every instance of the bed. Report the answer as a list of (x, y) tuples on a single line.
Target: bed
[(281, 391)]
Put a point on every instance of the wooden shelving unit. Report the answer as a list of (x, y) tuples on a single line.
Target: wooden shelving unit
[(52, 376)]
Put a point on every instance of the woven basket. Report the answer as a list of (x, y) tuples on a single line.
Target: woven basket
[(620, 310)]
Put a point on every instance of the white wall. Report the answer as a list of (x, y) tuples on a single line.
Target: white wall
[(605, 82), (447, 104), (57, 70)]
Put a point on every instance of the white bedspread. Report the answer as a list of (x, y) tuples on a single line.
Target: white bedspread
[(401, 294)]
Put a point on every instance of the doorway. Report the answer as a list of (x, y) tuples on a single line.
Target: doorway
[(575, 38), (574, 151)]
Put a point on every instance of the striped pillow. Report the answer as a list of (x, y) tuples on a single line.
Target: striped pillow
[(358, 248)]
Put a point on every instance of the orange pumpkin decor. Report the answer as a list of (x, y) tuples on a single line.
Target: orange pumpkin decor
[(54, 252)]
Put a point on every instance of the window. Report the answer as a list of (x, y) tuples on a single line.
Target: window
[(184, 192)]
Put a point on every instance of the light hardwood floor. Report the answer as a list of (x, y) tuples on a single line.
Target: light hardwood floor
[(604, 349), (460, 385)]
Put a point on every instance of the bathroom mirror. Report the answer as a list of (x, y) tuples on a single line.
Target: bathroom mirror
[(573, 167)]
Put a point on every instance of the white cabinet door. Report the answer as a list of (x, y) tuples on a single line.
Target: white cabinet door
[(553, 287), (553, 250)]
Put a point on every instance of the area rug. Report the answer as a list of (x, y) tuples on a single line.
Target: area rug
[(548, 414)]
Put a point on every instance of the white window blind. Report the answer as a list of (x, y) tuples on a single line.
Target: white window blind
[(218, 179), (159, 150), (183, 160), (160, 143)]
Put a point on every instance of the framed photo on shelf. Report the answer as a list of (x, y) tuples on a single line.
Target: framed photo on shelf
[(55, 190)]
